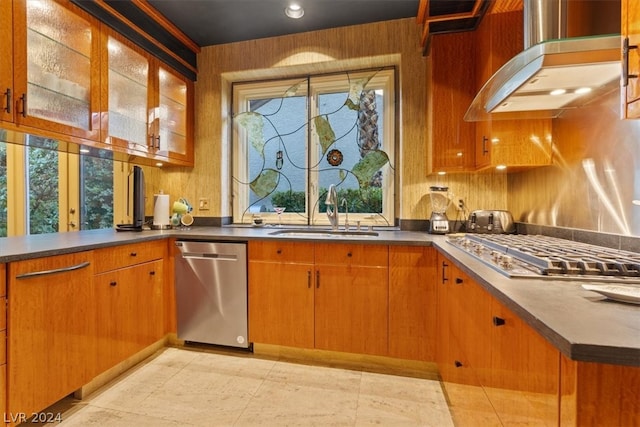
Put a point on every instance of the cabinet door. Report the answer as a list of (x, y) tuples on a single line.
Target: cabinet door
[(412, 302), (57, 68), (451, 90), (631, 30), (129, 93), (524, 373), (130, 313), (174, 130), (6, 67), (52, 328), (281, 303), (467, 400), (513, 143), (351, 309)]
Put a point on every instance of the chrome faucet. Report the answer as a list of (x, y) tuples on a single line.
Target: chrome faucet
[(344, 203), (332, 206)]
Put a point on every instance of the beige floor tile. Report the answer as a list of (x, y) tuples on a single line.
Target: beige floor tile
[(289, 404), (200, 387), (94, 416)]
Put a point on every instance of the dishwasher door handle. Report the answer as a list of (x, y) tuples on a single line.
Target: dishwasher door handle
[(210, 257)]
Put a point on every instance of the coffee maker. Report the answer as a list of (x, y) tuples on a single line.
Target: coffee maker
[(440, 202)]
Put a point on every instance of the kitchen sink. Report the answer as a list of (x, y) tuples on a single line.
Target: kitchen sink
[(298, 232)]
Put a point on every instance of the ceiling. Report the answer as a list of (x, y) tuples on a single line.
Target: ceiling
[(211, 22)]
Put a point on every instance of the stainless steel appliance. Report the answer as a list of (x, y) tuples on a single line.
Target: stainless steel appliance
[(545, 257), (211, 292), (440, 201), (493, 222)]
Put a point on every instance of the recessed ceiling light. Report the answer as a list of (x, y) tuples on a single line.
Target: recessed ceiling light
[(582, 90), (558, 92), (294, 11), (501, 167)]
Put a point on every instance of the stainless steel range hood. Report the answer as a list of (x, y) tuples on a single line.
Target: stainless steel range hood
[(585, 68)]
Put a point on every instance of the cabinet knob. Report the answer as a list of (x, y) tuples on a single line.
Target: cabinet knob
[(279, 251), (114, 283), (152, 273), (498, 321), (349, 254), (457, 363), (133, 254), (459, 280)]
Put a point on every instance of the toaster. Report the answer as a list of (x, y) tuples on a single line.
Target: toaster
[(491, 221)]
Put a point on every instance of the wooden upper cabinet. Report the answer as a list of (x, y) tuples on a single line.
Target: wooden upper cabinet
[(631, 36), (174, 118), (451, 88), (6, 67), (127, 100), (56, 68), (150, 107), (511, 143)]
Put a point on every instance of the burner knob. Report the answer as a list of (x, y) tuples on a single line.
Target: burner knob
[(496, 256), (477, 248), (506, 262)]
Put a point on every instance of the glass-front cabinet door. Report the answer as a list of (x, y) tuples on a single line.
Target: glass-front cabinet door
[(129, 96), (174, 130), (57, 68)]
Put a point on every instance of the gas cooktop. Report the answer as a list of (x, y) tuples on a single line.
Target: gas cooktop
[(545, 257)]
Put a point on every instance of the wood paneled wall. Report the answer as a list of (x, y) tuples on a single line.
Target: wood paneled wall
[(394, 42)]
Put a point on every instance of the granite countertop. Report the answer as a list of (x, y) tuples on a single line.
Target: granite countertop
[(582, 324)]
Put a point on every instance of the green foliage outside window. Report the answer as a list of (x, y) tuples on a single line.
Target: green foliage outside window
[(364, 200)]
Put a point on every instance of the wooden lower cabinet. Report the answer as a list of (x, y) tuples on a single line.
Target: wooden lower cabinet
[(599, 394), (281, 303), (315, 295), (524, 375), (3, 338), (52, 330), (412, 302), (496, 369), (130, 313), (351, 306)]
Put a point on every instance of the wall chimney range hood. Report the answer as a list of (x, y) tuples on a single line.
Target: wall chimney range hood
[(553, 73)]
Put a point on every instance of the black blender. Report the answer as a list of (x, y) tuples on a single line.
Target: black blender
[(440, 201)]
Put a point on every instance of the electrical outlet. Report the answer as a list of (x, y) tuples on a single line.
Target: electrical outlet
[(460, 204), (203, 204)]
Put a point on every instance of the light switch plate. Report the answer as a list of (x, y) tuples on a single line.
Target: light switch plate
[(203, 204)]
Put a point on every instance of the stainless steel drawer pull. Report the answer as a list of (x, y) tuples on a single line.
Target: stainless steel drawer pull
[(219, 257), (56, 271)]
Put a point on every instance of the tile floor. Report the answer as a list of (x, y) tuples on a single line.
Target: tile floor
[(185, 387)]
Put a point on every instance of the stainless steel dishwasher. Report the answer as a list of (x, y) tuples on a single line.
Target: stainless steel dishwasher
[(211, 293)]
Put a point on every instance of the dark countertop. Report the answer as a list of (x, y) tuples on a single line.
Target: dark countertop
[(582, 324)]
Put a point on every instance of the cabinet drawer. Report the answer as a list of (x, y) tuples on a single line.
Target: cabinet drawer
[(352, 254), (289, 252), (107, 259)]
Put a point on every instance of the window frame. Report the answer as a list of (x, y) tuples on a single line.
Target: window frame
[(243, 92)]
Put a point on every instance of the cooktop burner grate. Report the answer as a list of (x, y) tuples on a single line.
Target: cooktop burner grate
[(550, 257)]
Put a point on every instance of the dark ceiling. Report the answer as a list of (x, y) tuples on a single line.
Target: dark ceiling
[(210, 22)]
